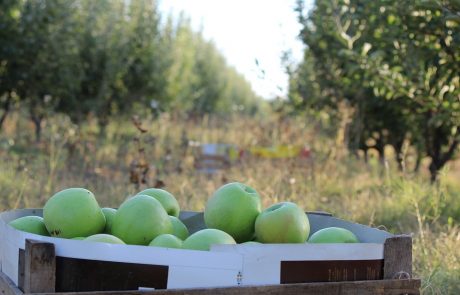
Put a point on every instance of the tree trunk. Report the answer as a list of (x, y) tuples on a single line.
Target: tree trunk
[(434, 168), (6, 109), (438, 157), (380, 147), (399, 156), (366, 155), (103, 121), (418, 161), (37, 120), (3, 118)]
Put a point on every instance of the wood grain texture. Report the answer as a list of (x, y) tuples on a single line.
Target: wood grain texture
[(80, 275), (7, 286), (39, 276), (294, 272), (39, 267), (385, 287), (21, 267), (397, 255), (380, 287)]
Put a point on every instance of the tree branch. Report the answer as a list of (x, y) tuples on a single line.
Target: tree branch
[(450, 152)]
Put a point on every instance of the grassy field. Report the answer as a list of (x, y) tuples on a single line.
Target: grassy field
[(344, 185)]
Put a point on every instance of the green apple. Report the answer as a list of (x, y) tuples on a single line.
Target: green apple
[(179, 228), (167, 241), (104, 238), (140, 219), (73, 212), (30, 224), (203, 239), (167, 200), (282, 223), (233, 208), (109, 214), (333, 235)]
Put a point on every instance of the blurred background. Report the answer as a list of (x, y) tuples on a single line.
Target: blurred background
[(345, 106)]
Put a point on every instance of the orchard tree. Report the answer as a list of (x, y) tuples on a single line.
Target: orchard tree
[(179, 39), (9, 16), (395, 64), (145, 78), (426, 73), (109, 58), (46, 60), (103, 56), (199, 80)]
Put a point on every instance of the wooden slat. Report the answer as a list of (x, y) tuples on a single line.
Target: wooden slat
[(21, 267), (39, 267), (212, 157), (386, 287), (7, 287), (397, 255), (210, 163), (294, 272), (380, 287), (79, 275)]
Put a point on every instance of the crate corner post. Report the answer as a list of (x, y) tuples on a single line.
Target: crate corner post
[(39, 267), (398, 257)]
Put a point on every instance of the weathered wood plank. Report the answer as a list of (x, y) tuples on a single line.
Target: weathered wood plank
[(39, 267), (397, 254), (7, 287), (21, 267), (40, 270), (384, 287), (80, 275)]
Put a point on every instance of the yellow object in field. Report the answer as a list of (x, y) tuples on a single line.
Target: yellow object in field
[(280, 151), (233, 153)]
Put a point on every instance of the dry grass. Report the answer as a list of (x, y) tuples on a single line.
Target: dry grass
[(343, 185)]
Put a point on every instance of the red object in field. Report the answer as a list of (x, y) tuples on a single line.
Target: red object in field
[(241, 153), (305, 152)]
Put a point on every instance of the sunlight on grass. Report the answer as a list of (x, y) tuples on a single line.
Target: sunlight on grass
[(347, 187)]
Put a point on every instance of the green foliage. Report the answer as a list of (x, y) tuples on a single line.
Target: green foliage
[(9, 31), (196, 79), (393, 65), (46, 61), (110, 58)]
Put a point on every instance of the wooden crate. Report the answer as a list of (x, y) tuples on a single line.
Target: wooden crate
[(44, 265), (211, 158), (38, 275)]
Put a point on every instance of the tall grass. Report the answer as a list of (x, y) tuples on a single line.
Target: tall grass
[(345, 186)]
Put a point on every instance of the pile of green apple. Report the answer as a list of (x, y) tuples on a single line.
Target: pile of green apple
[(232, 215)]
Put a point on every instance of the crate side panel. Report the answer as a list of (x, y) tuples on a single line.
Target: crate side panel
[(77, 275), (330, 271)]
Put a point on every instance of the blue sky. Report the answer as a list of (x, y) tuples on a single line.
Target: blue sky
[(246, 30)]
